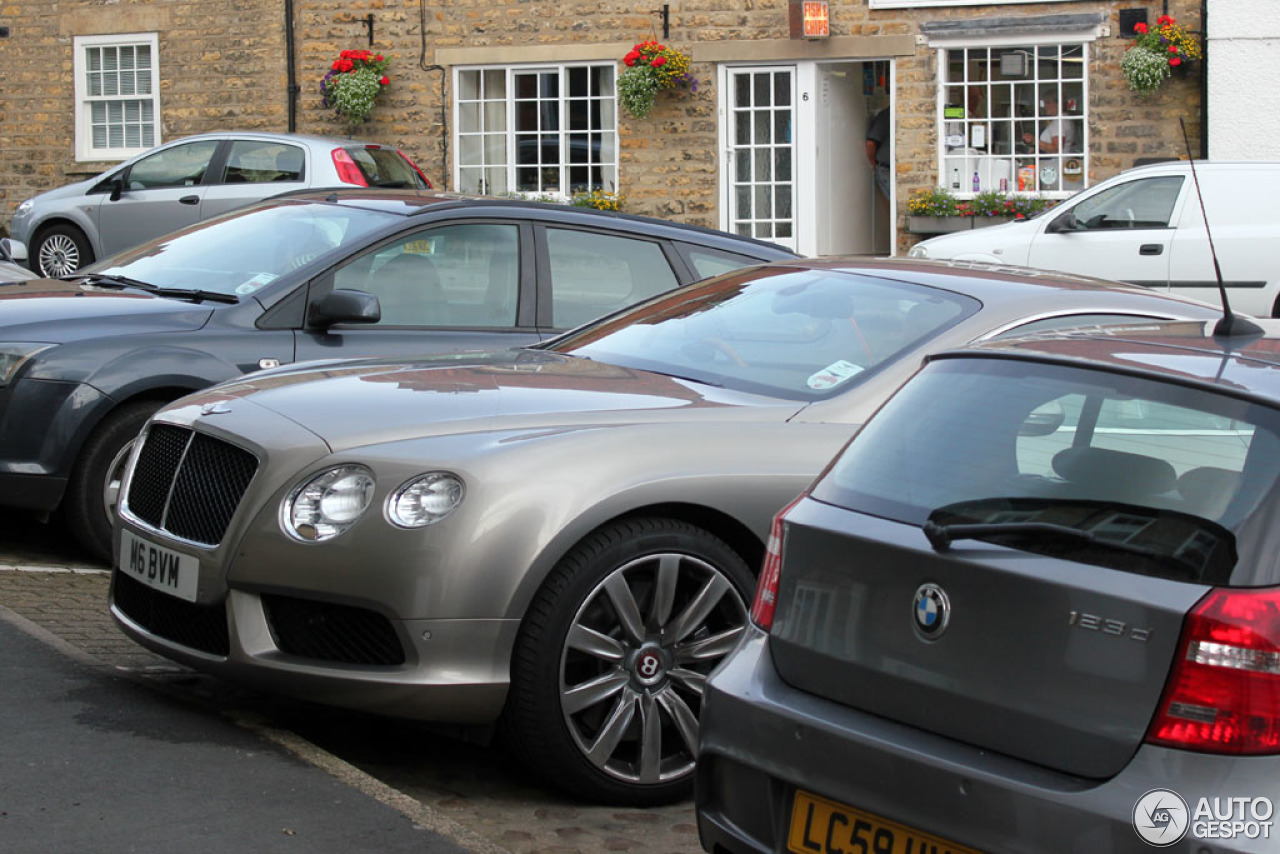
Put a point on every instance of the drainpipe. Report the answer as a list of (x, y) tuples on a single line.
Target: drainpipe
[(1204, 80), (293, 88)]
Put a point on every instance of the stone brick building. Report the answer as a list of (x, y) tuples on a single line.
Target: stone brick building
[(519, 95)]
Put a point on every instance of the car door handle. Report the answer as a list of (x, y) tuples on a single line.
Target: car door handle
[(189, 200), (1151, 249)]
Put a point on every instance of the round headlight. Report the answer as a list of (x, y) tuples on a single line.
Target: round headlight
[(918, 251), (425, 499), (328, 503)]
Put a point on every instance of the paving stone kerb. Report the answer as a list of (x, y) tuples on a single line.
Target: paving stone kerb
[(487, 813)]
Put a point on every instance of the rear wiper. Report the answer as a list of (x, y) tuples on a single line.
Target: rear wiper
[(942, 536), (112, 281)]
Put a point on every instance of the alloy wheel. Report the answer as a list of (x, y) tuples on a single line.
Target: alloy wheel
[(635, 661), (59, 255)]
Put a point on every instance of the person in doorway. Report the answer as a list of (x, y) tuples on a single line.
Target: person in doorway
[(878, 149), (1057, 136)]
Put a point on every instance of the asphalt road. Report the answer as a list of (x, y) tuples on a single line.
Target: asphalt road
[(477, 796)]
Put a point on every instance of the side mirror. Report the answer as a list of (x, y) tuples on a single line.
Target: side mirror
[(117, 188), (344, 306), (1065, 222), (13, 250)]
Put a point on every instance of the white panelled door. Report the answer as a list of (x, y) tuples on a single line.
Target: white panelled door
[(757, 130)]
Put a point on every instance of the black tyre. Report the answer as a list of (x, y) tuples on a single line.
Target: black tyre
[(59, 250), (89, 505), (612, 657)]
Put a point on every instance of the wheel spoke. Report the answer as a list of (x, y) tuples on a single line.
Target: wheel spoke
[(691, 679), (614, 728), (650, 740), (683, 717), (709, 648), (594, 691), (697, 610), (664, 591), (594, 643), (624, 604)]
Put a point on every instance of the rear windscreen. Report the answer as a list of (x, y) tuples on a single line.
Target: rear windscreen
[(385, 167), (1158, 468)]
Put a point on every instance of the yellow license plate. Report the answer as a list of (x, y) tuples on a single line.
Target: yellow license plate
[(820, 826)]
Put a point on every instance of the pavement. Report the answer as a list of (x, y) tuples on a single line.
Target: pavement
[(261, 786)]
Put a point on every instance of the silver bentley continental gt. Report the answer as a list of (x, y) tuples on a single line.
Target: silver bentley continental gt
[(559, 540)]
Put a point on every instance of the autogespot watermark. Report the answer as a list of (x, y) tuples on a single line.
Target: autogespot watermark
[(1161, 817)]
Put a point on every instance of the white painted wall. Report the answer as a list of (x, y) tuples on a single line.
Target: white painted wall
[(1244, 80)]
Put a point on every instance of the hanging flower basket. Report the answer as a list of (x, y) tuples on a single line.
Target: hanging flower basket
[(651, 68), (353, 83), (1158, 53)]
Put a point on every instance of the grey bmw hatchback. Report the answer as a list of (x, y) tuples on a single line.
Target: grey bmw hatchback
[(1033, 606)]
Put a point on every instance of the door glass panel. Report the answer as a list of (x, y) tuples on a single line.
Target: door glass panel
[(180, 166), (593, 274), (762, 192), (464, 275)]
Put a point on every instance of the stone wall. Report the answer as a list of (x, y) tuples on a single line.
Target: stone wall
[(223, 66)]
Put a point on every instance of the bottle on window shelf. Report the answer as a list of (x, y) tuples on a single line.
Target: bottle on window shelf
[(977, 186)]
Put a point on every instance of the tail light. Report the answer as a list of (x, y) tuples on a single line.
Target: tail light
[(424, 178), (766, 599), (1223, 695), (348, 171)]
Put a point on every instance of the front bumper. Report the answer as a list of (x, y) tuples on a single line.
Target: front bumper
[(450, 670), (762, 739), (43, 424)]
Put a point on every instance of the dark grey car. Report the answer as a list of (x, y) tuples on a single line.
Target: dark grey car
[(84, 361), (1033, 606)]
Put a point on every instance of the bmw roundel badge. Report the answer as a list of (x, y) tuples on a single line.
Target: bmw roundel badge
[(931, 612)]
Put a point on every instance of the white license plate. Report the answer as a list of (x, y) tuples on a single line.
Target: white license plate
[(155, 566)]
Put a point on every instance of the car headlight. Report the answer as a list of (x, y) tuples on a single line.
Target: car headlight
[(14, 356), (328, 503), (425, 499), (918, 251), (25, 206)]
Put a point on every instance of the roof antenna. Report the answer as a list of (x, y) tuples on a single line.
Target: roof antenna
[(1230, 325)]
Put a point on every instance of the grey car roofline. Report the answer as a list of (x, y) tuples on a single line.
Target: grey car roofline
[(1146, 373), (454, 201)]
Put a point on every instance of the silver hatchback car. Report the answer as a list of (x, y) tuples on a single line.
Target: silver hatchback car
[(1034, 606), (189, 180)]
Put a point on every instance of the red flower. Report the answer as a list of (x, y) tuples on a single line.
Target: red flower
[(1140, 28), (378, 58), (661, 60), (346, 65), (385, 80), (1173, 49), (1164, 21), (630, 59), (1175, 60)]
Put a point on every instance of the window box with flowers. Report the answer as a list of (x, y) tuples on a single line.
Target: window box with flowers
[(650, 68), (353, 83), (937, 211), (1156, 54)]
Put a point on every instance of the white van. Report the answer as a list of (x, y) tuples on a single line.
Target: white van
[(1145, 226)]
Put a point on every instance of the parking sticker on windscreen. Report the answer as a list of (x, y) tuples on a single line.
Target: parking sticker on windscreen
[(258, 281), (834, 374)]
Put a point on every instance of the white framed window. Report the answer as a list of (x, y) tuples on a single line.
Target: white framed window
[(536, 130), (1013, 118), (117, 95)]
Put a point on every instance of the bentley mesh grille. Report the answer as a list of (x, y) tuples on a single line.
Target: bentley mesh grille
[(188, 484), (202, 627), (328, 632)]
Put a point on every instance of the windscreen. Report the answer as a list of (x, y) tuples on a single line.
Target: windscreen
[(778, 331), (244, 251)]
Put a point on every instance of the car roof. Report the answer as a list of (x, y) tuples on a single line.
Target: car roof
[(417, 202), (1187, 352), (1003, 283), (301, 138)]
